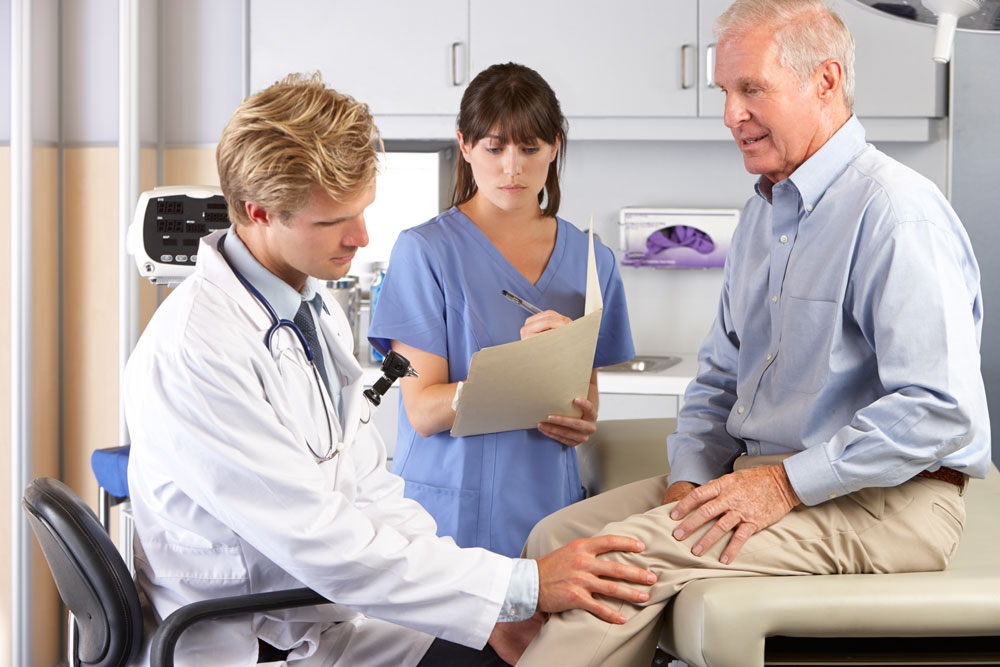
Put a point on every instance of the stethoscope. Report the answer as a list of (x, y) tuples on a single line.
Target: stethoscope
[(277, 324), (393, 367)]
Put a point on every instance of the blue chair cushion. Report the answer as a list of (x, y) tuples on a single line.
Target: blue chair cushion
[(110, 467)]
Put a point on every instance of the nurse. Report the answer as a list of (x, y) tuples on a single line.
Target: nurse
[(441, 302)]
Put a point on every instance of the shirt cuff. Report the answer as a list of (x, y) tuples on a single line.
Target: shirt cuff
[(522, 592), (813, 477)]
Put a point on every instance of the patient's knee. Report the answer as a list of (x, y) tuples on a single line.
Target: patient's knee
[(552, 532)]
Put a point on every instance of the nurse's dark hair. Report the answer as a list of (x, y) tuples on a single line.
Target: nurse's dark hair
[(295, 134), (515, 102)]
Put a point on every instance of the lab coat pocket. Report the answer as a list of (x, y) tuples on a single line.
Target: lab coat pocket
[(456, 511), (221, 568), (807, 327)]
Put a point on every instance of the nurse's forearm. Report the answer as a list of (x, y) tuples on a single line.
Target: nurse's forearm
[(429, 408), (427, 398)]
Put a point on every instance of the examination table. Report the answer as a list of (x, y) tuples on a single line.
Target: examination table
[(930, 618)]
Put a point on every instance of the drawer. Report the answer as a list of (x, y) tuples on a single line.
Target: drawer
[(637, 406)]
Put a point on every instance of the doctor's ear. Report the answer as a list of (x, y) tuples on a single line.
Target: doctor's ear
[(257, 214)]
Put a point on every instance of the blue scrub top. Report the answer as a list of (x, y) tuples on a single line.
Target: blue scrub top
[(441, 294)]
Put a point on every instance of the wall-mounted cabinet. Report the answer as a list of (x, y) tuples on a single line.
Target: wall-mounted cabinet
[(399, 56), (625, 59), (633, 69)]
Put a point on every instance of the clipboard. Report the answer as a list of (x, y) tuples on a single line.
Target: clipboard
[(517, 385)]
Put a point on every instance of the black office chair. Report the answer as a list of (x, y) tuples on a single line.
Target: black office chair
[(93, 582)]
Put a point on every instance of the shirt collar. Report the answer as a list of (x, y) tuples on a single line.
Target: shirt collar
[(282, 296), (816, 174)]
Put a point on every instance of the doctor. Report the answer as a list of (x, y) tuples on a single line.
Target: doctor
[(254, 468)]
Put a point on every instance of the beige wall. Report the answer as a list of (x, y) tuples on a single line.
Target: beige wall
[(90, 321), (5, 398), (45, 377)]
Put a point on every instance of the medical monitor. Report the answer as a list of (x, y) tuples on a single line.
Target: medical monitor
[(168, 225)]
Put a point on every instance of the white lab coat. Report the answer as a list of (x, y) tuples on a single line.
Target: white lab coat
[(228, 499)]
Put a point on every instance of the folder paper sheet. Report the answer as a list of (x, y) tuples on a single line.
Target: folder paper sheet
[(519, 384)]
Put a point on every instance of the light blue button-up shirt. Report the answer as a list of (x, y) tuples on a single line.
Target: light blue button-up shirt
[(847, 333), (522, 590)]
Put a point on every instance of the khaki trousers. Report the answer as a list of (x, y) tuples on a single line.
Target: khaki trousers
[(910, 528)]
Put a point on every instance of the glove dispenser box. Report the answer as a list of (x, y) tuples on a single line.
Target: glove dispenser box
[(676, 237)]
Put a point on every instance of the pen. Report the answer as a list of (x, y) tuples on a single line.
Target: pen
[(527, 305)]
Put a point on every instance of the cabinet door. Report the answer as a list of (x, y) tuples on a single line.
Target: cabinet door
[(896, 76), (621, 59), (399, 56), (711, 100)]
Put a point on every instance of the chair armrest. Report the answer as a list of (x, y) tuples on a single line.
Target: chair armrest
[(162, 649)]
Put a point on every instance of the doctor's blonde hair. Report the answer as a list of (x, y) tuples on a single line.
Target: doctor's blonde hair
[(296, 133), (808, 32)]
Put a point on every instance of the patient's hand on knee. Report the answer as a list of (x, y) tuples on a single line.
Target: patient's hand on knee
[(510, 639), (678, 490)]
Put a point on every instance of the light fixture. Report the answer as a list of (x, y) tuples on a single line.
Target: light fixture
[(948, 15)]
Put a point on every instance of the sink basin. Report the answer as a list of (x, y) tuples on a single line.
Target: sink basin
[(643, 364)]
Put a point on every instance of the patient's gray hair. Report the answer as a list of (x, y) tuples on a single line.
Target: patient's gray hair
[(807, 32)]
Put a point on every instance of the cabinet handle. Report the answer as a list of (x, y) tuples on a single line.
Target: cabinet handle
[(684, 51), (457, 78), (710, 66)]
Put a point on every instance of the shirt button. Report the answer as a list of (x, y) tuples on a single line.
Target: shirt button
[(774, 299), (340, 446), (809, 207), (783, 238), (769, 356), (740, 409), (832, 496), (753, 450)]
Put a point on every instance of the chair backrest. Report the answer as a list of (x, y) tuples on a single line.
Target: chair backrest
[(92, 579)]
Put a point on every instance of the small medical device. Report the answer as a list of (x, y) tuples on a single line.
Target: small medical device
[(394, 366), (167, 227)]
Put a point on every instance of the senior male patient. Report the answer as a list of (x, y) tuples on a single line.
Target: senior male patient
[(847, 340), (251, 470)]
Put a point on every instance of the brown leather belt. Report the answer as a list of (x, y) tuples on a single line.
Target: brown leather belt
[(945, 474)]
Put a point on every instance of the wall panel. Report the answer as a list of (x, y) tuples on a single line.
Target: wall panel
[(5, 399), (46, 608), (45, 386), (90, 284)]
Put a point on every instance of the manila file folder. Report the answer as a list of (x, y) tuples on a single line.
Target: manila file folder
[(519, 384)]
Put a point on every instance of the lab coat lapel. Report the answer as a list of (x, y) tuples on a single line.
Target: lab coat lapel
[(217, 271), (337, 331)]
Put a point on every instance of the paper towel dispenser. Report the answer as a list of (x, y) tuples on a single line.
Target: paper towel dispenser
[(676, 237)]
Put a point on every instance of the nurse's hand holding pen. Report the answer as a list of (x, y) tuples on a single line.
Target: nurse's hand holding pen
[(570, 431)]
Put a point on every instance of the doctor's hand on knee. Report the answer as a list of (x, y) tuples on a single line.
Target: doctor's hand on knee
[(568, 578), (744, 502)]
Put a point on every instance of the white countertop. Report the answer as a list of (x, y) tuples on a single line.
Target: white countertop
[(670, 381)]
